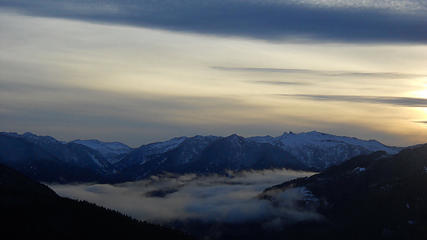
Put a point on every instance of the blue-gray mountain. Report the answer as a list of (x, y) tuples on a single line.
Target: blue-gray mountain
[(113, 152), (47, 159), (320, 150), (206, 154)]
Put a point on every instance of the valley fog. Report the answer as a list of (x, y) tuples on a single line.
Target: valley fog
[(213, 198)]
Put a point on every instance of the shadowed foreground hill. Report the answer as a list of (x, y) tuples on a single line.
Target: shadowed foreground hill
[(376, 196), (32, 210)]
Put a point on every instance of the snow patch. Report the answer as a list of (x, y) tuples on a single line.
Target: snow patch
[(321, 150), (359, 169), (162, 147), (109, 150), (95, 160)]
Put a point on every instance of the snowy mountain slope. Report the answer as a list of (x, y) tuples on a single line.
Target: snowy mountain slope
[(203, 154), (163, 156), (213, 154), (37, 163), (320, 150), (145, 153), (70, 153), (209, 154), (237, 153), (112, 151)]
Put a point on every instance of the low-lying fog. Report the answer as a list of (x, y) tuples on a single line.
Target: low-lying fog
[(228, 199)]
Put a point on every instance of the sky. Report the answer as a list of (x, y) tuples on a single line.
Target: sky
[(145, 71)]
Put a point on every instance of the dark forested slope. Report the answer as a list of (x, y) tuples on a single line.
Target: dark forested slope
[(32, 210), (376, 196)]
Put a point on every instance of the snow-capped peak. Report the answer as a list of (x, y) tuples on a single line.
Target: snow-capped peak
[(320, 150), (162, 147), (234, 139), (107, 146), (110, 150), (326, 140), (34, 138)]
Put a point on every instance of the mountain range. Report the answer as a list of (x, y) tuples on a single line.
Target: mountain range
[(378, 194), (46, 159)]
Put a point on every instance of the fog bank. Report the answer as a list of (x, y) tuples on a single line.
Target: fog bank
[(213, 198)]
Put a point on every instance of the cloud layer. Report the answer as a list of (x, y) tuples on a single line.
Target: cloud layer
[(229, 199), (347, 74), (76, 79), (397, 101), (360, 21)]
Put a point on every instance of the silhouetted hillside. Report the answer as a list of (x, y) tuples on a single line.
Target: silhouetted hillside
[(32, 210), (368, 197)]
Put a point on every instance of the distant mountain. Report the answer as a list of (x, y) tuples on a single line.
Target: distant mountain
[(376, 196), (113, 152), (146, 153), (237, 153), (320, 150), (30, 210), (72, 153), (48, 159), (205, 154), (46, 164)]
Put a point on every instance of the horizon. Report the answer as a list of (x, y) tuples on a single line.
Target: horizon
[(190, 136)]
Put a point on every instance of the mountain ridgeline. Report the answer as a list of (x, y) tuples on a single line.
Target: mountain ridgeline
[(46, 159)]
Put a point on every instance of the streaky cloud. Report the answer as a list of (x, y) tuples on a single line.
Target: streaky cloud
[(271, 20), (284, 83), (397, 101), (383, 75)]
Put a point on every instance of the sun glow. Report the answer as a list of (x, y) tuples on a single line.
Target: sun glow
[(422, 94)]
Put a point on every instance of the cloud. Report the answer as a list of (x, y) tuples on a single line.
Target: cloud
[(272, 20), (397, 101), (421, 122), (383, 75), (214, 198), (75, 79), (281, 83), (77, 112)]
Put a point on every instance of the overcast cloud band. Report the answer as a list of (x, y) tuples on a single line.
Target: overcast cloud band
[(271, 20)]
